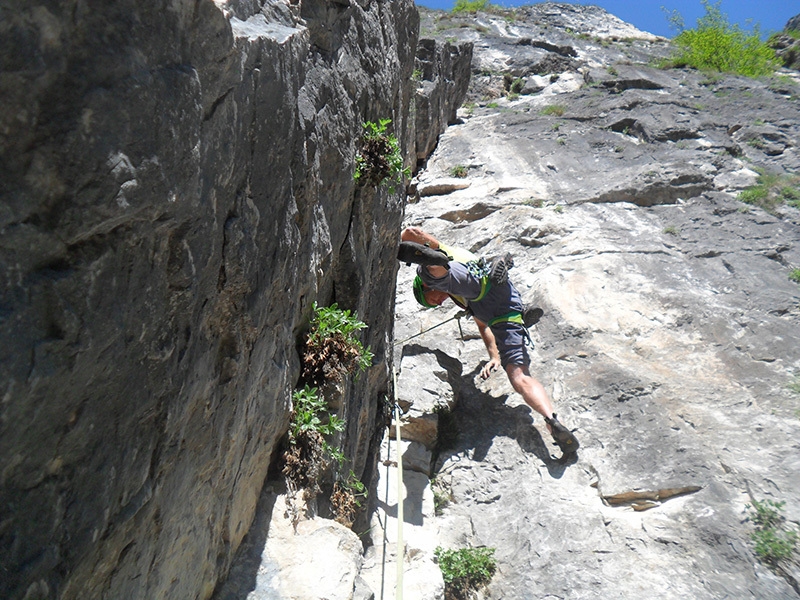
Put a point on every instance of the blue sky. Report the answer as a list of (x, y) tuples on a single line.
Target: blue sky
[(647, 15)]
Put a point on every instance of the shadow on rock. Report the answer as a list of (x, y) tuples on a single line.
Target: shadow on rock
[(242, 577), (478, 418)]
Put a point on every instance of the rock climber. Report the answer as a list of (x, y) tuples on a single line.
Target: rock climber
[(496, 307)]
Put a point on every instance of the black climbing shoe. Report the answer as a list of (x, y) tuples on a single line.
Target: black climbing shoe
[(411, 252), (562, 436), (531, 315), (498, 271)]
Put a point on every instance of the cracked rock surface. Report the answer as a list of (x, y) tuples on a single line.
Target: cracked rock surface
[(671, 333)]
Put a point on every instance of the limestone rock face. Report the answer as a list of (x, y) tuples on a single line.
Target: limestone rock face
[(176, 191), (670, 339), (786, 44), (442, 77), (310, 558)]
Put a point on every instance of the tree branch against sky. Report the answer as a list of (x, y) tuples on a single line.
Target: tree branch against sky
[(648, 15)]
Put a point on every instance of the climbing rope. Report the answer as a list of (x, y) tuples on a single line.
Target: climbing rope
[(401, 551), (386, 503), (458, 315), (400, 488)]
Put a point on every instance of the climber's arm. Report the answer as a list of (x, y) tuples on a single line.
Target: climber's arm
[(491, 346)]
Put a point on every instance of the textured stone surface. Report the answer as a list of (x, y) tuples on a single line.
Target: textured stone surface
[(176, 191), (421, 577), (671, 331), (316, 558), (786, 44), (442, 77)]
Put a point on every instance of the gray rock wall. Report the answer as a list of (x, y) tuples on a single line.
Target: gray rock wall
[(176, 184), (442, 77)]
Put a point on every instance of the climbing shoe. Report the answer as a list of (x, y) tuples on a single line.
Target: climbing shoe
[(531, 315), (498, 271), (562, 436), (411, 252)]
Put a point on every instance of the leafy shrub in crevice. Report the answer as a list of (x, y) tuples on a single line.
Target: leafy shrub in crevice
[(332, 349), (348, 492), (379, 158), (308, 453)]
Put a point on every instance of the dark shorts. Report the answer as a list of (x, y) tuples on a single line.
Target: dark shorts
[(511, 338)]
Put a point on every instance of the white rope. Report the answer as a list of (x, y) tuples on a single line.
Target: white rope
[(400, 492)]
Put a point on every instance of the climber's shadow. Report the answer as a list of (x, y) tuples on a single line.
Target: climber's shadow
[(479, 418)]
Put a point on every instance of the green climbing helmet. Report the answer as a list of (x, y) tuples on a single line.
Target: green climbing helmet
[(419, 292)]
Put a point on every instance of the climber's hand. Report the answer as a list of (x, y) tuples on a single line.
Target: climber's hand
[(492, 365)]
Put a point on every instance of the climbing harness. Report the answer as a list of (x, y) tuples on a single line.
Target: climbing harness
[(459, 315)]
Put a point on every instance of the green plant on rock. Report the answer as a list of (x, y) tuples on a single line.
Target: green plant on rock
[(459, 171), (794, 275), (309, 415), (348, 494), (465, 570), (553, 110), (332, 349), (774, 542), (791, 194), (470, 6), (715, 45), (517, 86), (379, 158), (534, 202), (771, 190), (308, 453)]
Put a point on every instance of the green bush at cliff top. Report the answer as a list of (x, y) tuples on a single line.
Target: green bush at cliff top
[(718, 46), (470, 6)]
